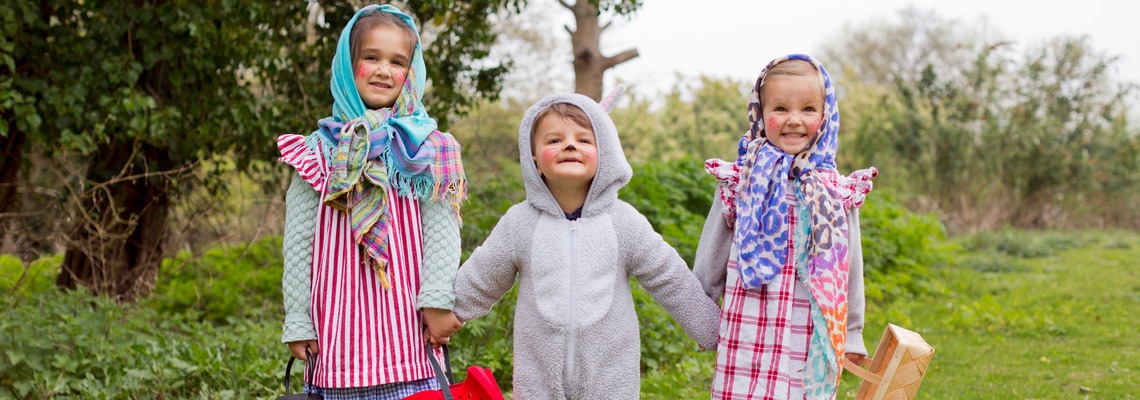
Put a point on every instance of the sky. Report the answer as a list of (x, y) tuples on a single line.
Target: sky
[(735, 38)]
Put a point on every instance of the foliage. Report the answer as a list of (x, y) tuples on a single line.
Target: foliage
[(702, 121), (899, 248), (113, 351), (19, 278), (675, 197), (226, 283), (961, 124)]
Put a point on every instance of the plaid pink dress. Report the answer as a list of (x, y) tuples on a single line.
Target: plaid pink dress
[(763, 348)]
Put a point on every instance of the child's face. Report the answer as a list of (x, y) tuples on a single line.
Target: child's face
[(565, 153), (382, 66), (792, 112)]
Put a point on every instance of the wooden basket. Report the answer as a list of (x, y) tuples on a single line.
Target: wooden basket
[(897, 367)]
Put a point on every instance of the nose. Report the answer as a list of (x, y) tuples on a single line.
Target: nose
[(795, 118), (570, 147)]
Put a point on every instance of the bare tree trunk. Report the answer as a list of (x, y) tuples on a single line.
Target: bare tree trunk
[(589, 63), (115, 248), (11, 155)]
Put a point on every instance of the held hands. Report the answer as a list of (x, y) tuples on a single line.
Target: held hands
[(298, 349), (441, 324)]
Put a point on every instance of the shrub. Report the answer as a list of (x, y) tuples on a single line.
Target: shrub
[(899, 247), (228, 282), (74, 345)]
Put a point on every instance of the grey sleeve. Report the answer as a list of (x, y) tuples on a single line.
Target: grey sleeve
[(441, 247), (297, 250), (711, 262), (492, 268), (664, 274), (856, 304)]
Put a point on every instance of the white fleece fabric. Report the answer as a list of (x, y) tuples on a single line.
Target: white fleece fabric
[(575, 329)]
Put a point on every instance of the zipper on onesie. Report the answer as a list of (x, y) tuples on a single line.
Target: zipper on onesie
[(571, 318)]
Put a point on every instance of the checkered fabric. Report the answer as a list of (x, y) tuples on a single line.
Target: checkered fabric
[(392, 391), (765, 331)]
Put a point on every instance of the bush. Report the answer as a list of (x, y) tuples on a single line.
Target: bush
[(899, 247), (37, 276), (74, 345), (226, 283)]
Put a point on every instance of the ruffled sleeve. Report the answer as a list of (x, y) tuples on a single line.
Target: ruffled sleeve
[(853, 189), (297, 152)]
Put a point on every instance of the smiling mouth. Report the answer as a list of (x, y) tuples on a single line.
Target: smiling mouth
[(381, 85)]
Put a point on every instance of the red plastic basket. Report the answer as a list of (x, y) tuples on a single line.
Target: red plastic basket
[(480, 384)]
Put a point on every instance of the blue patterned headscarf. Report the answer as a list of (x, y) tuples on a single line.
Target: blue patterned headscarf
[(761, 232), (395, 147)]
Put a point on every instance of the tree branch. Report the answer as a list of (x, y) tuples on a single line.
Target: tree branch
[(606, 26), (610, 62), (565, 4), (567, 27)]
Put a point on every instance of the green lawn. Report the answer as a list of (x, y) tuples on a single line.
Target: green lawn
[(1028, 316)]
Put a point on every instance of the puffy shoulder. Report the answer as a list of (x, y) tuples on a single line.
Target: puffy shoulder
[(628, 219)]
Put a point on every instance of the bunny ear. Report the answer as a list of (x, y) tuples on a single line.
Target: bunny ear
[(611, 99)]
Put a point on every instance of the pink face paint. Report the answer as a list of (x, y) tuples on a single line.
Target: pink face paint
[(773, 124), (814, 124), (548, 155), (364, 71), (399, 77)]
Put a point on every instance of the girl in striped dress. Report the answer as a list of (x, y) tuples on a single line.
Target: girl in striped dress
[(371, 239), (781, 244)]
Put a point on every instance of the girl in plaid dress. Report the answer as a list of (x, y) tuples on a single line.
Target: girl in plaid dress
[(371, 239), (781, 245)]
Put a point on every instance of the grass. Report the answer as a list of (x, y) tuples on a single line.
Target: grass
[(1054, 323)]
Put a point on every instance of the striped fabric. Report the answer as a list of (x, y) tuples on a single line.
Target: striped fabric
[(296, 153), (368, 336), (765, 331)]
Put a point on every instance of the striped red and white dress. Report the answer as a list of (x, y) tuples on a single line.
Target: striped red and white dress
[(763, 348), (367, 335)]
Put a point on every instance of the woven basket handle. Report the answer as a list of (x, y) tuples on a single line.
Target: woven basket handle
[(861, 372)]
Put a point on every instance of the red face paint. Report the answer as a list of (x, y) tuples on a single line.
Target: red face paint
[(774, 124), (814, 124), (364, 71), (548, 155)]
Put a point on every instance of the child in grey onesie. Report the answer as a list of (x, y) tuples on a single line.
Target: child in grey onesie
[(573, 245)]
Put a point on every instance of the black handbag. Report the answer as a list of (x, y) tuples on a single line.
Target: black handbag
[(310, 370)]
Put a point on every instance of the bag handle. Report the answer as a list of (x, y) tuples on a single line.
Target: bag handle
[(867, 375), (289, 368), (444, 379)]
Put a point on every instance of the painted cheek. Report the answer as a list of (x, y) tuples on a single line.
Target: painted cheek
[(773, 124), (399, 77), (548, 155), (363, 71), (814, 124)]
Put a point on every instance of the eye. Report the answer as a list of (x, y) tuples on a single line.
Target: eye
[(584, 140), (554, 140), (779, 108), (809, 109)]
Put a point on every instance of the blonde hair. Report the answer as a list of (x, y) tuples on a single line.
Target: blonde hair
[(793, 68)]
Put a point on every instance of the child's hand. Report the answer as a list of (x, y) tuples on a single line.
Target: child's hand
[(441, 324), (856, 358), (298, 349)]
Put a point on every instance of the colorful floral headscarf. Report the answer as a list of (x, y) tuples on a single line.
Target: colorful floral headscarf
[(365, 150)]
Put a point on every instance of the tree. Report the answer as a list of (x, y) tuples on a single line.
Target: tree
[(141, 92), (589, 63)]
